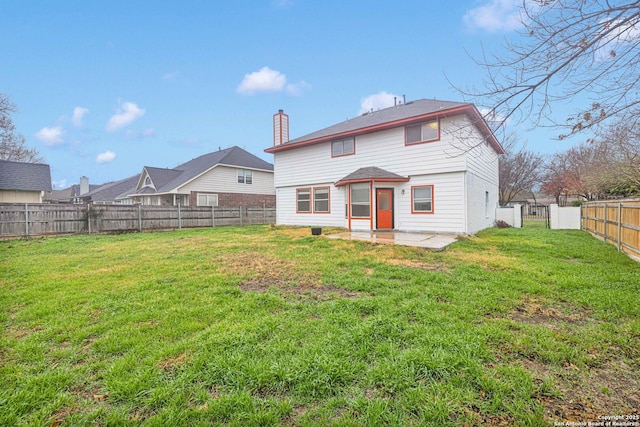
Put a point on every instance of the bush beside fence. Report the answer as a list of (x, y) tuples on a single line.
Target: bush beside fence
[(31, 220), (616, 222)]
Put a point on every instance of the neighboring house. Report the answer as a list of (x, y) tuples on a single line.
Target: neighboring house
[(107, 194), (23, 182), (229, 177), (73, 194), (425, 165)]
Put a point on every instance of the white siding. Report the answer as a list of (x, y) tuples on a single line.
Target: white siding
[(385, 149), (18, 196), (224, 179), (448, 205), (286, 208), (480, 216)]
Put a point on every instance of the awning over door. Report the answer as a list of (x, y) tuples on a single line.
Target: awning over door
[(369, 174)]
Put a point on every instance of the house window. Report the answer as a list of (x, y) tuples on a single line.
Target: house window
[(245, 176), (207, 200), (321, 199), (343, 147), (422, 199), (360, 200), (147, 181), (423, 132), (303, 200)]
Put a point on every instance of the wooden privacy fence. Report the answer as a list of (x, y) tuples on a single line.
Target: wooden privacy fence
[(29, 220), (616, 222)]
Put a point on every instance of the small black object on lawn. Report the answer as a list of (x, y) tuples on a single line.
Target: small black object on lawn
[(316, 231)]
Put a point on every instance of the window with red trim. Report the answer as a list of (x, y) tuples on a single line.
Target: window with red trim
[(343, 147), (303, 200), (321, 199), (423, 132), (422, 199)]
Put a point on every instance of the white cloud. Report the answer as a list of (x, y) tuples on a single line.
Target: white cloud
[(494, 15), (51, 136), (126, 114), (265, 80), (377, 102), (106, 157), (78, 114)]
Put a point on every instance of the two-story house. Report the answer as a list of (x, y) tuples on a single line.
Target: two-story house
[(425, 165)]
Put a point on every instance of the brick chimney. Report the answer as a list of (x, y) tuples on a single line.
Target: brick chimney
[(280, 128)]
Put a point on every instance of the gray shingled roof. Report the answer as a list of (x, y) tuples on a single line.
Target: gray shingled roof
[(24, 176), (391, 114), (110, 191), (371, 173), (166, 180)]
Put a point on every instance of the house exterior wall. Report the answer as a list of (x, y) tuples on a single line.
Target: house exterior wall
[(460, 166), (17, 196), (224, 179), (230, 200)]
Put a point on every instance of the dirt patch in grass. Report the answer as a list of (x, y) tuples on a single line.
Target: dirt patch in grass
[(266, 273), (172, 363), (585, 394), (417, 264), (535, 312)]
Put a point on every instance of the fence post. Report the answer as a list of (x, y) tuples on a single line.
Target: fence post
[(89, 218), (619, 224), (140, 218), (240, 215), (179, 218), (264, 213), (26, 220), (605, 221), (213, 216)]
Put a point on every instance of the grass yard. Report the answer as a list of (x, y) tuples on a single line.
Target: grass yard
[(265, 325)]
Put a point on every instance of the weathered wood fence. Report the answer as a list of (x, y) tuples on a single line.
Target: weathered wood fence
[(30, 220), (616, 222)]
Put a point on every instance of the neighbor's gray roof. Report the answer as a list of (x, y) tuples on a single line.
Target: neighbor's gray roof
[(166, 180), (371, 173), (110, 191), (24, 176), (375, 120)]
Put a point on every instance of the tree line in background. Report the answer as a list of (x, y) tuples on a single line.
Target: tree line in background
[(604, 167)]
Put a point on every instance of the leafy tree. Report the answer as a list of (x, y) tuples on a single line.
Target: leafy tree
[(566, 48), (13, 146), (520, 170)]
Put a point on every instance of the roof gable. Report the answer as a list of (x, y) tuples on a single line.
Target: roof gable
[(24, 176), (399, 115)]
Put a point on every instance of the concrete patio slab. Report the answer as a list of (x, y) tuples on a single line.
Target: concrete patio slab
[(436, 242)]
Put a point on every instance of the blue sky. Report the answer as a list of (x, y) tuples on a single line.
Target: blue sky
[(105, 88)]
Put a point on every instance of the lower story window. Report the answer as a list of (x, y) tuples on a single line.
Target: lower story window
[(207, 200), (360, 200), (422, 199), (303, 200), (321, 199)]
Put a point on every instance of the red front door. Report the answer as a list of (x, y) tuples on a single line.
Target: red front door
[(384, 210)]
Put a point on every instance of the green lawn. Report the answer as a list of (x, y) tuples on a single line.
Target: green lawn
[(271, 326)]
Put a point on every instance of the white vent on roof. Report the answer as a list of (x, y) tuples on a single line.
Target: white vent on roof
[(280, 128)]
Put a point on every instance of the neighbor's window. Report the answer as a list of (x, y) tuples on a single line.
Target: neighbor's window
[(360, 200), (343, 147), (207, 200), (147, 181), (245, 176), (303, 200), (422, 199), (321, 199), (422, 132)]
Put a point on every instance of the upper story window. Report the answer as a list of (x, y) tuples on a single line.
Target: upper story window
[(423, 132), (245, 176), (147, 181), (343, 147)]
